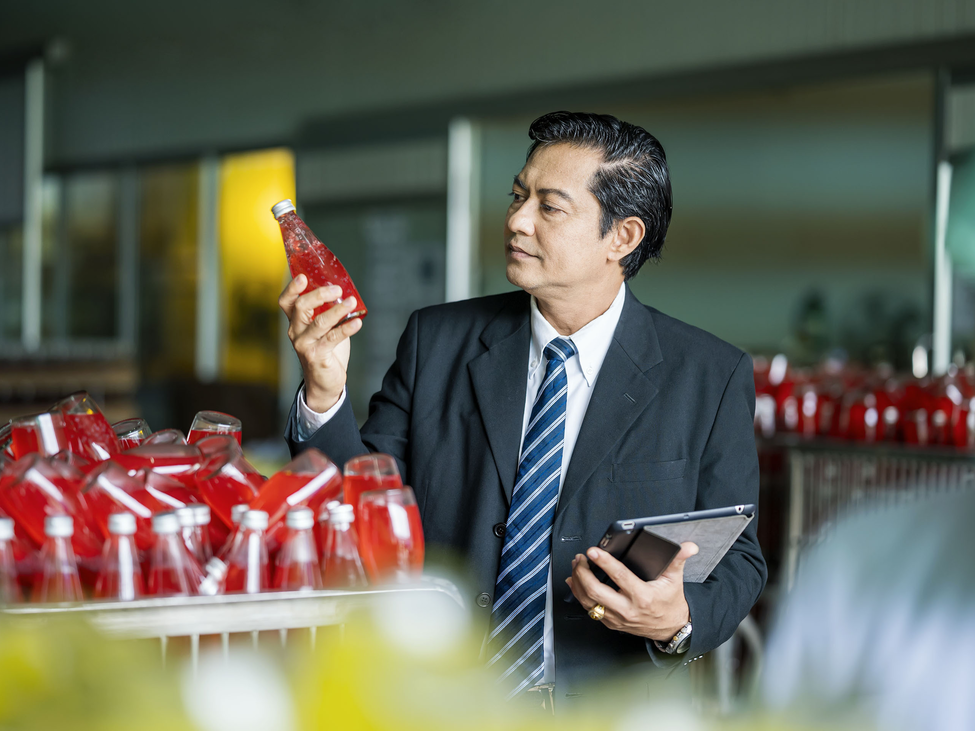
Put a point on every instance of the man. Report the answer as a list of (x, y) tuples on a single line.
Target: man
[(528, 422)]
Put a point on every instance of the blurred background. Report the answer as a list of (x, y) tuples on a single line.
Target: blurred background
[(141, 149), (822, 155)]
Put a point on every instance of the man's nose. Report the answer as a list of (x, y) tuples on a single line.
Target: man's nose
[(521, 221)]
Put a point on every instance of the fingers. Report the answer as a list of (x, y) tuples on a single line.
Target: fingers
[(625, 579), (675, 571), (323, 327), (291, 293), (589, 590)]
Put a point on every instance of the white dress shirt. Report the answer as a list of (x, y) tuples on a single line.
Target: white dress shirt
[(592, 343)]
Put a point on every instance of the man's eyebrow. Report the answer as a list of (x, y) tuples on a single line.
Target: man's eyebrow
[(544, 191)]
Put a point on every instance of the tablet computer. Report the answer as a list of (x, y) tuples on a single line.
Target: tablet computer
[(714, 532)]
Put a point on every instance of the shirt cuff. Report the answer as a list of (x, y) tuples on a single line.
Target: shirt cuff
[(310, 421)]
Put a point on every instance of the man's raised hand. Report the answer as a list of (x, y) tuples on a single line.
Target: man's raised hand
[(322, 348)]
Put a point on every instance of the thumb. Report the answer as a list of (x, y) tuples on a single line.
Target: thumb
[(676, 569)]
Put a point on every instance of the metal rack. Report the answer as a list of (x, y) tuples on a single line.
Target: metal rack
[(827, 479), (231, 614)]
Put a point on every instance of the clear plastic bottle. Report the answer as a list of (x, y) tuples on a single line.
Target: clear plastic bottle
[(9, 588), (297, 562), (324, 530), (120, 577), (341, 565), (247, 559), (59, 580), (216, 575), (309, 256), (172, 569), (236, 513), (194, 519)]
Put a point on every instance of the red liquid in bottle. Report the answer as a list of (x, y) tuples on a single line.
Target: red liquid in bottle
[(230, 481), (354, 485), (341, 565), (196, 435), (297, 565), (309, 256), (172, 570), (308, 481), (391, 542), (43, 486), (59, 580), (42, 434), (9, 587), (177, 461), (90, 435), (247, 560), (120, 577)]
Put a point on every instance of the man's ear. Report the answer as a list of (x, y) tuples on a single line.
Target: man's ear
[(627, 235)]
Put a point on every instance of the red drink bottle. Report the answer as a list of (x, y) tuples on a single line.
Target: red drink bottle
[(309, 256), (174, 460), (308, 481), (6, 442), (172, 569), (227, 480), (390, 536), (43, 434), (120, 577), (236, 513), (9, 588), (131, 432), (194, 519), (59, 580), (341, 565), (88, 431), (36, 487), (375, 471), (247, 560), (297, 563), (208, 423)]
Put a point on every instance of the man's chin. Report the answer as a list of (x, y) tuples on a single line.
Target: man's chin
[(516, 276)]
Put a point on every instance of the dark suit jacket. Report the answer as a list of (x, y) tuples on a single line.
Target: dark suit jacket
[(669, 429)]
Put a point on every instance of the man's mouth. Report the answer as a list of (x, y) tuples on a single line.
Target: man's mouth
[(518, 252)]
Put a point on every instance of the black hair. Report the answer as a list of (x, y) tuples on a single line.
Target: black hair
[(633, 179)]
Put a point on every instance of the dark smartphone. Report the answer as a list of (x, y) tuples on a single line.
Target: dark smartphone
[(642, 552)]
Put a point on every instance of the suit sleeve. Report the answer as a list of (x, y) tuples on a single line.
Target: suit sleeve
[(386, 430), (728, 476)]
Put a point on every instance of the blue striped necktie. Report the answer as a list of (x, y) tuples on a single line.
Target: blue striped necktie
[(518, 617)]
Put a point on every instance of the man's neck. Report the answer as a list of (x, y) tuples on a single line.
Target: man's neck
[(569, 315)]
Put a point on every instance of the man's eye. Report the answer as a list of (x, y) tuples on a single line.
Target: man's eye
[(549, 209), (516, 196)]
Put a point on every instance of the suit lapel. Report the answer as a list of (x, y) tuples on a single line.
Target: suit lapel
[(500, 379), (622, 392)]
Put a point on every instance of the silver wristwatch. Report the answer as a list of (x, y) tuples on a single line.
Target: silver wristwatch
[(680, 643)]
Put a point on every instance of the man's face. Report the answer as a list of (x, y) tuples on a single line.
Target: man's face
[(551, 231)]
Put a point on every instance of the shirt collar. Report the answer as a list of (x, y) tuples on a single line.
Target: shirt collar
[(592, 340)]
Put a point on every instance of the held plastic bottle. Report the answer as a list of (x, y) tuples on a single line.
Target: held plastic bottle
[(59, 580), (297, 563), (247, 560), (9, 588), (194, 520), (309, 256), (342, 567), (120, 577), (172, 569)]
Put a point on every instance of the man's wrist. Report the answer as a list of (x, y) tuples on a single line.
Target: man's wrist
[(319, 401)]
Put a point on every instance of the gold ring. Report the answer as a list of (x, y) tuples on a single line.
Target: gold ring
[(597, 612)]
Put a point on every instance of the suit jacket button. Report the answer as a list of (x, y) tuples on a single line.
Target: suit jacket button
[(499, 530), (483, 600)]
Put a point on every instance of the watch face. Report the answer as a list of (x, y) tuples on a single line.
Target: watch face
[(684, 644)]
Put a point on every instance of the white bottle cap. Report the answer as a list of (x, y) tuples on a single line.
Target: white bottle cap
[(341, 514), (165, 523), (285, 206), (216, 571), (237, 512), (254, 519), (300, 519), (121, 524), (193, 515), (59, 526), (6, 529)]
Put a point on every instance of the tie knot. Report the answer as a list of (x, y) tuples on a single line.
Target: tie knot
[(560, 348)]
